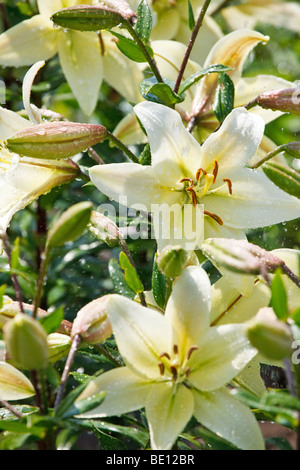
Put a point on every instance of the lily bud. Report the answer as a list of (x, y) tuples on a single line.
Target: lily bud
[(14, 385), (287, 100), (10, 308), (55, 140), (240, 256), (293, 149), (70, 225), (26, 342), (272, 337), (104, 229), (88, 17), (91, 322), (121, 6), (58, 346), (172, 260)]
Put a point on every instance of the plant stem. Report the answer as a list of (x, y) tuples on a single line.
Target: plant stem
[(108, 355), (144, 50), (13, 275), (74, 348), (191, 44), (11, 408), (290, 274), (92, 153), (122, 147), (270, 155), (41, 280)]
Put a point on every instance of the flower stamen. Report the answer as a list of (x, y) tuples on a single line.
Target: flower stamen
[(229, 183), (215, 171), (165, 354), (198, 173), (175, 349), (191, 350), (174, 373), (215, 217), (161, 368), (193, 195)]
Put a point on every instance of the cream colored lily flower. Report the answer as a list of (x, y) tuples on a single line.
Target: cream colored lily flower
[(274, 12), (85, 66), (177, 367), (232, 50), (240, 302), (207, 182)]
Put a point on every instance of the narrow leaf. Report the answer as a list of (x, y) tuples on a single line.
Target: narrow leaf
[(279, 297), (130, 274), (82, 406), (159, 286), (130, 49), (143, 25), (118, 280), (52, 321), (161, 93), (224, 98), (191, 16), (284, 177), (218, 68)]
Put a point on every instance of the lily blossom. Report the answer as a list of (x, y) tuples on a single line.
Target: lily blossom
[(14, 385), (84, 63), (275, 12), (216, 194), (177, 367)]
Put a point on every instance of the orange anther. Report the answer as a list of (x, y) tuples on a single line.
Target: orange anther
[(191, 350), (189, 180), (161, 368), (193, 195), (215, 171), (229, 183), (214, 216), (198, 174)]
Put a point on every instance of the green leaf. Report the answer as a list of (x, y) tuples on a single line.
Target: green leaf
[(52, 321), (139, 435), (2, 292), (118, 279), (159, 286), (145, 156), (218, 68), (108, 442), (143, 25), (296, 316), (15, 253), (279, 297), (284, 177), (160, 92), (82, 406), (87, 18), (68, 400), (224, 98), (130, 274), (130, 49), (21, 427), (191, 16)]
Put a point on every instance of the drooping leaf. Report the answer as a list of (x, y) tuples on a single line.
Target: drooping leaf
[(224, 98), (195, 77), (130, 49), (161, 93)]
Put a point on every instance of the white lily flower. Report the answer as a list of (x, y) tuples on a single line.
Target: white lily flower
[(85, 66), (240, 302), (207, 182), (177, 366), (275, 12)]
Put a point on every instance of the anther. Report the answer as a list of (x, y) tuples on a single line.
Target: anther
[(215, 171), (175, 349), (165, 354), (189, 180), (198, 174), (174, 373), (229, 183), (193, 195), (191, 350), (161, 368), (187, 371), (215, 217)]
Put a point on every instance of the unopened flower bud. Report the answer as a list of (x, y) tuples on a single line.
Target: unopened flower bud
[(70, 224), (293, 149), (10, 308), (26, 342), (270, 336), (58, 346), (172, 260), (240, 256), (88, 17), (55, 140), (14, 385), (91, 322), (287, 100), (104, 229), (121, 6)]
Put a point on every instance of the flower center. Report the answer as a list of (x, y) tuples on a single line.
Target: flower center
[(199, 187), (172, 366)]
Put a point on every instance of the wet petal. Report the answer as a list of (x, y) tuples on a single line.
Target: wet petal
[(11, 122), (226, 416), (14, 385)]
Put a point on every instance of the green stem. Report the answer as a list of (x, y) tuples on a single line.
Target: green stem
[(108, 355), (13, 276), (270, 155), (191, 44), (10, 408), (122, 147), (144, 50), (41, 279)]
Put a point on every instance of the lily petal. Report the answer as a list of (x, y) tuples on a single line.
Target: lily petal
[(80, 59), (126, 392), (132, 185), (232, 50), (168, 413), (234, 143), (188, 306), (223, 352), (11, 122), (28, 42), (226, 416), (175, 153), (252, 190), (48, 7), (142, 335), (14, 385)]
